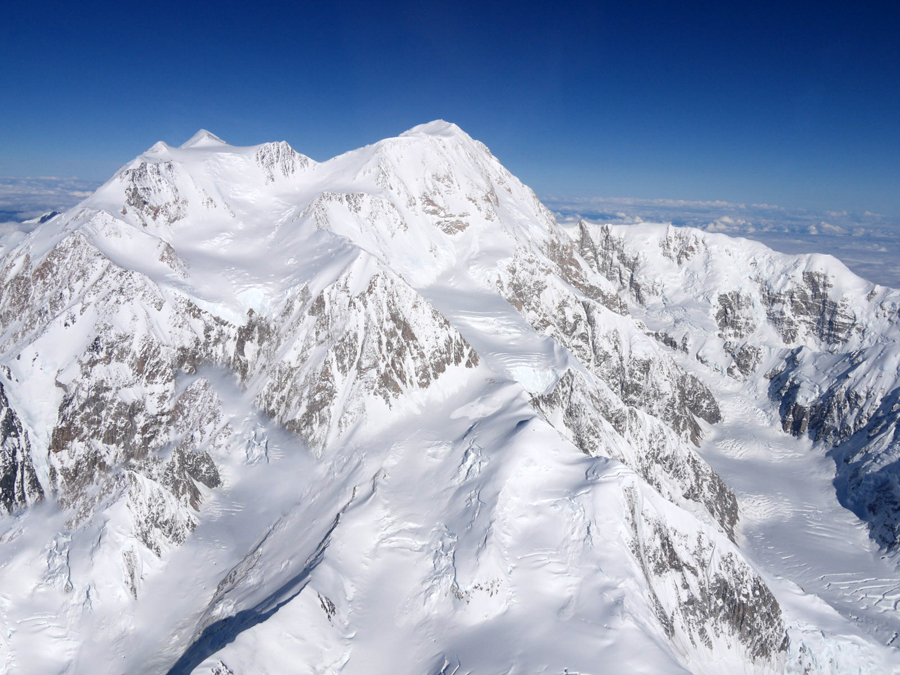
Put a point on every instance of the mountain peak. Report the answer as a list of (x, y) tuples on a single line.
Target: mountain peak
[(436, 128), (203, 139)]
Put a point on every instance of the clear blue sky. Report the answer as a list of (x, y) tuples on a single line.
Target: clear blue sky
[(793, 103)]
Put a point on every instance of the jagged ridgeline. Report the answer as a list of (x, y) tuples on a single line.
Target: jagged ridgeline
[(824, 343), (265, 414)]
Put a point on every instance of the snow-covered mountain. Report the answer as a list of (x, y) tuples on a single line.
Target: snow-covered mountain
[(384, 414)]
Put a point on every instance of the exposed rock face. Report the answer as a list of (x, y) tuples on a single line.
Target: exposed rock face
[(606, 254), (829, 339), (151, 191), (221, 669), (636, 405), (280, 160), (117, 392), (164, 496), (680, 245), (602, 425), (704, 592), (353, 340), (317, 364), (735, 316), (869, 479), (19, 485), (333, 207), (802, 305), (851, 408), (747, 358), (629, 362), (568, 266), (808, 310)]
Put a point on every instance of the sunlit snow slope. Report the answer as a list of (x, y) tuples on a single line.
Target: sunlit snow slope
[(384, 414)]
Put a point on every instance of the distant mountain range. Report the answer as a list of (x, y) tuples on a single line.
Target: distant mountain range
[(868, 243)]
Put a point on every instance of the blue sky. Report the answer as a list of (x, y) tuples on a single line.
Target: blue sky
[(796, 104)]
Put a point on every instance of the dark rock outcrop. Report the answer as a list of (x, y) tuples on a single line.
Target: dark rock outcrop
[(700, 590), (19, 485), (578, 408)]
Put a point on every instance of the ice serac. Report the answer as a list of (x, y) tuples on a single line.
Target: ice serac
[(387, 405)]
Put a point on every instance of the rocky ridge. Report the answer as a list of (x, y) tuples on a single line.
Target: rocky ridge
[(822, 342), (19, 485)]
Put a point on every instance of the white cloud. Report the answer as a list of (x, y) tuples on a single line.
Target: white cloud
[(9, 227), (23, 198), (11, 233)]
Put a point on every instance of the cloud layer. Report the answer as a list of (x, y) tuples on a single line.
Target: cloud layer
[(24, 198), (868, 243)]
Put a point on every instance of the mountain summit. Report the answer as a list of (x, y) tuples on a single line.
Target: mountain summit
[(437, 128), (203, 139), (384, 413)]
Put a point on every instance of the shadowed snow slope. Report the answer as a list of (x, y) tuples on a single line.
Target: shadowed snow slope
[(384, 414)]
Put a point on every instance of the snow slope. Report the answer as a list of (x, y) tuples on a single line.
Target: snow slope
[(384, 414)]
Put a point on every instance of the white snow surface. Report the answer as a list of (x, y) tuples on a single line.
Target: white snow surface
[(438, 523)]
